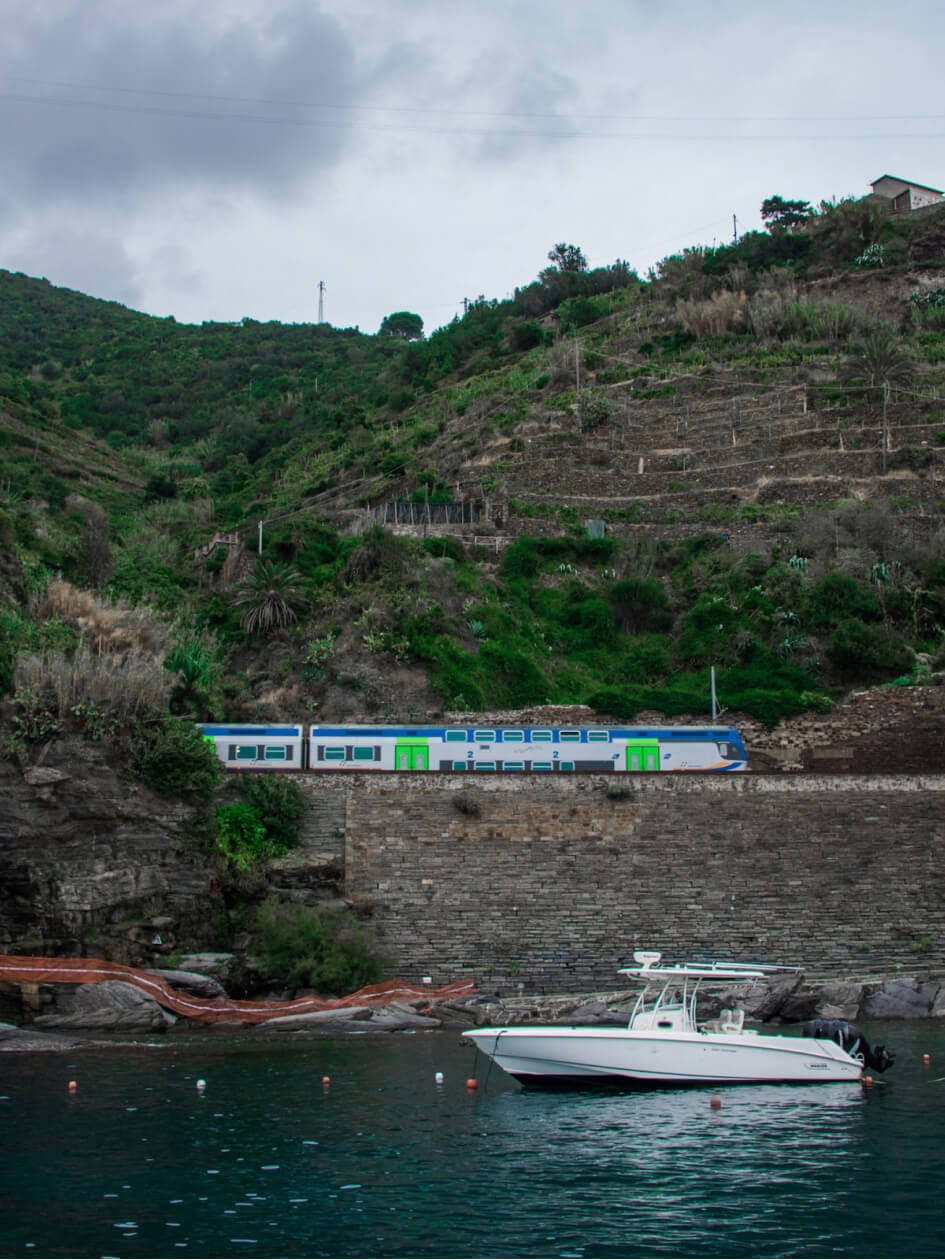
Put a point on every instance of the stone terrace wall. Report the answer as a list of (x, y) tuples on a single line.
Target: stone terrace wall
[(552, 884)]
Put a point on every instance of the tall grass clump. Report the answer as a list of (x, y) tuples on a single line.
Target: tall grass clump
[(107, 626), (121, 687), (724, 312)]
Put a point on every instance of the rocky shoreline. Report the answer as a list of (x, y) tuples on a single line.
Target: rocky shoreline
[(73, 1015)]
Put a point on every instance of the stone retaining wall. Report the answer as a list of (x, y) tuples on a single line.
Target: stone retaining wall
[(551, 884)]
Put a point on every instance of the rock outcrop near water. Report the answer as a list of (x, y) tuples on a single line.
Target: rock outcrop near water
[(112, 1006), (118, 1007)]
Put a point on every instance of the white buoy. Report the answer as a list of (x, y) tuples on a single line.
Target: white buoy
[(201, 1086), (439, 1078)]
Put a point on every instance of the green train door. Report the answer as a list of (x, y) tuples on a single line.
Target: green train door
[(643, 754), (411, 755)]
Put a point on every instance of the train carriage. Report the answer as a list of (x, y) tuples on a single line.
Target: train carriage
[(478, 749), (525, 749)]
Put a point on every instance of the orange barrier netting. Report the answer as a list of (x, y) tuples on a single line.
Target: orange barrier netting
[(219, 1009)]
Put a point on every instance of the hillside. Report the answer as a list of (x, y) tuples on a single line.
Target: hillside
[(587, 494)]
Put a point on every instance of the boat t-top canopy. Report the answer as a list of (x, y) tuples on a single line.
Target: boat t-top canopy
[(649, 969)]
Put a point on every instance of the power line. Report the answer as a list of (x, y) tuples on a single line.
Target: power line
[(469, 113), (283, 120)]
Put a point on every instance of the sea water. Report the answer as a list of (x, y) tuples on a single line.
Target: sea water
[(266, 1160)]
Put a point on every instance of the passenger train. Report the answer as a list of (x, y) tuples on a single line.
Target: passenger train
[(460, 749)]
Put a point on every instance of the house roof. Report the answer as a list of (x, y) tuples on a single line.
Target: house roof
[(910, 182)]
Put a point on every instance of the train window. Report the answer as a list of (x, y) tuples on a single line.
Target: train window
[(725, 750), (570, 737), (542, 765), (484, 736), (513, 737), (598, 737), (334, 754), (459, 765), (243, 752), (363, 753), (567, 765), (277, 752), (541, 737), (513, 765), (483, 765), (455, 737)]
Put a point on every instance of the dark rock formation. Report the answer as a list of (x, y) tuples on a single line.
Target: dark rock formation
[(112, 1006)]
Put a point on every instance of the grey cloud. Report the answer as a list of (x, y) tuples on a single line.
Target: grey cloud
[(165, 101), (78, 255), (530, 112)]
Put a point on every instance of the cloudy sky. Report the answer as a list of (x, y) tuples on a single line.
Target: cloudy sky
[(215, 159)]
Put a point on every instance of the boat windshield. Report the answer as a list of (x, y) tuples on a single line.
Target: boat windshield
[(675, 1005)]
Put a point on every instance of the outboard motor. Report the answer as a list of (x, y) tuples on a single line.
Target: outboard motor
[(848, 1037)]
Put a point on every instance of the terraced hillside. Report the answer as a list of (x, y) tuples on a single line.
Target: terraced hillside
[(588, 494)]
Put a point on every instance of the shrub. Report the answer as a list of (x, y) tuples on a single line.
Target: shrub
[(171, 757), (861, 651), (511, 677), (444, 548), (327, 950), (281, 804), (835, 597), (241, 835), (594, 409), (7, 660), (527, 335), (33, 720), (640, 604)]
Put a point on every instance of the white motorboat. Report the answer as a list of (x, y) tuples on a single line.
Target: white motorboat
[(664, 1046)]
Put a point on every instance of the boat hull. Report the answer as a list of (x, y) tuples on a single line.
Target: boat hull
[(579, 1057)]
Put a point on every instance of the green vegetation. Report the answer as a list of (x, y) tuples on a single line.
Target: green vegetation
[(327, 951), (138, 458), (169, 756), (264, 825)]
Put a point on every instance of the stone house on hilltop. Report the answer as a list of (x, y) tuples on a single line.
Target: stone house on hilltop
[(905, 195)]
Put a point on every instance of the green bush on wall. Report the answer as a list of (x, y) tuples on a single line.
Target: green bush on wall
[(325, 950), (170, 756)]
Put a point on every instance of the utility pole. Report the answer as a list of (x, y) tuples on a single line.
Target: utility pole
[(321, 301), (734, 230), (465, 305), (885, 424), (715, 707), (260, 537), (577, 379)]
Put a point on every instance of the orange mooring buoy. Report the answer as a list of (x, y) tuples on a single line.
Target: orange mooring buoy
[(72, 1087), (326, 1080), (472, 1083), (926, 1058), (867, 1081), (715, 1102)]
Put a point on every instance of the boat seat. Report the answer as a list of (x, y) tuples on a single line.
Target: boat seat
[(731, 1021)]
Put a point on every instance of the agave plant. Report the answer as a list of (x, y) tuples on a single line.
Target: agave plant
[(271, 595)]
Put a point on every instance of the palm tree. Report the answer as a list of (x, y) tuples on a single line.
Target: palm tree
[(271, 594), (881, 360)]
